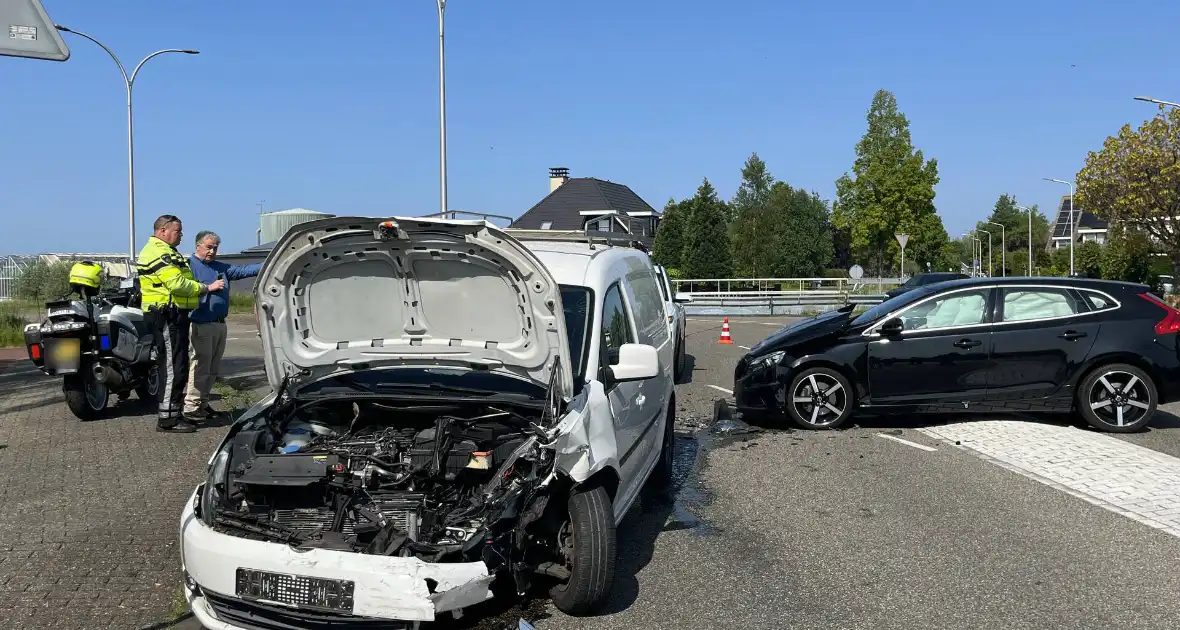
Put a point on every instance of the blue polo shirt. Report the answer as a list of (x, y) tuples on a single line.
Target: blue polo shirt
[(215, 306)]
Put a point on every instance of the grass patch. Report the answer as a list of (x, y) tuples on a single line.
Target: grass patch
[(241, 304), (13, 318), (234, 399), (179, 606)]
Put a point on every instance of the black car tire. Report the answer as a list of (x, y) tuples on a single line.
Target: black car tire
[(800, 413), (1142, 397), (79, 400), (592, 557), (678, 362), (661, 475)]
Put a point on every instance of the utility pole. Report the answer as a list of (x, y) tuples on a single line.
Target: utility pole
[(990, 267), (442, 107), (1073, 223), (1030, 239), (1003, 248)]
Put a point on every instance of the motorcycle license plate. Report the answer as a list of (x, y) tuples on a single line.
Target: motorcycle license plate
[(63, 354)]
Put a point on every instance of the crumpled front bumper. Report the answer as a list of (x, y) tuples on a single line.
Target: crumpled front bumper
[(391, 588)]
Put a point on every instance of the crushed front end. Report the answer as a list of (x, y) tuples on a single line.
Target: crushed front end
[(350, 508)]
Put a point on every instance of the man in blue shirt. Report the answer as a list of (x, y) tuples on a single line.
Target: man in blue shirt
[(208, 334)]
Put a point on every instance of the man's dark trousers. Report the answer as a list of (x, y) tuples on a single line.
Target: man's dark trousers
[(172, 341)]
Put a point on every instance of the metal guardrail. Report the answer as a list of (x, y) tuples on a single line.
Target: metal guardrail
[(774, 303)]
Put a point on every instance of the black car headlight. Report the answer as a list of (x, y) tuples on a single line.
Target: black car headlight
[(766, 361), (210, 495)]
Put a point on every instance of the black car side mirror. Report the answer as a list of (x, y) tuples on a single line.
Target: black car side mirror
[(891, 327)]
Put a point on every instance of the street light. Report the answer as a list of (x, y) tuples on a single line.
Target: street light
[(1156, 101), (1030, 240), (974, 241), (1073, 224), (129, 81), (991, 272), (1003, 248), (442, 106)]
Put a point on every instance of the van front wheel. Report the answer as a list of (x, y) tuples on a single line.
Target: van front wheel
[(586, 540)]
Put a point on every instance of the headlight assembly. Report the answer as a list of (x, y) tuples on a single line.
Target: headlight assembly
[(767, 361), (214, 486)]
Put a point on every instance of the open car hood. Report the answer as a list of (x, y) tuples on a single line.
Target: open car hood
[(343, 294)]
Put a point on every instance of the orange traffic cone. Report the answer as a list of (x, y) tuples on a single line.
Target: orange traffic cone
[(725, 332)]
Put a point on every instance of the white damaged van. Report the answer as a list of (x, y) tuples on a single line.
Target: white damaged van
[(452, 407)]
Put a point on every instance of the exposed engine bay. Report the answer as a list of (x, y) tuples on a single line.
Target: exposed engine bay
[(440, 482)]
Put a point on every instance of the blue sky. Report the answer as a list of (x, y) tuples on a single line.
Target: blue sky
[(336, 109)]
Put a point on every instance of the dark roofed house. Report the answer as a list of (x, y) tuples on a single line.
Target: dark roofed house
[(572, 202), (1089, 226)]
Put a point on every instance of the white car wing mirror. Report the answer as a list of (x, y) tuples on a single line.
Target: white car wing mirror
[(682, 298), (636, 362)]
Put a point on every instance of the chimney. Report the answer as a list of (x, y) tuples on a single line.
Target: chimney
[(558, 176)]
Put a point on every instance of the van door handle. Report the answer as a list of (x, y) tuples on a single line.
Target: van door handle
[(1070, 335), (967, 343)]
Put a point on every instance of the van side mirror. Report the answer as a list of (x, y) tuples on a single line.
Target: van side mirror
[(634, 362), (893, 326), (682, 298)]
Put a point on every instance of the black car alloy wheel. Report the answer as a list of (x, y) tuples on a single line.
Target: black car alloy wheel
[(1117, 398), (819, 398)]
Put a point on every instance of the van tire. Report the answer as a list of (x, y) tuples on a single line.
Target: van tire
[(591, 557)]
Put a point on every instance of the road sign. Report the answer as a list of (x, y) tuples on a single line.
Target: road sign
[(902, 239), (856, 272), (26, 31)]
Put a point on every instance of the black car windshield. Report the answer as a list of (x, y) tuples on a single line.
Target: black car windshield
[(893, 304)]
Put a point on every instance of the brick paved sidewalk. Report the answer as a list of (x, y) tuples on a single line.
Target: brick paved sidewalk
[(89, 511)]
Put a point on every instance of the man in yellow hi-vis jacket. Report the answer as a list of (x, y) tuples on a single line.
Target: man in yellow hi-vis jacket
[(168, 293)]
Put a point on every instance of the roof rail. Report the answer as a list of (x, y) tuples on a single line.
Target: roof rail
[(612, 239), (454, 214)]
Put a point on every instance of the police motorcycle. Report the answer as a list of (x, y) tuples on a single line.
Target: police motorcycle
[(97, 341)]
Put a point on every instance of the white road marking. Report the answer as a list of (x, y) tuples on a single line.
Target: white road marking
[(1136, 482), (722, 389), (742, 347), (906, 442)]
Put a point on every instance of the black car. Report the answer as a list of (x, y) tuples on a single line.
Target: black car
[(923, 279), (1105, 349)]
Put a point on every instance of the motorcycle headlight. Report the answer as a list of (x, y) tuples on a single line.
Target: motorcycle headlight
[(211, 495), (767, 361)]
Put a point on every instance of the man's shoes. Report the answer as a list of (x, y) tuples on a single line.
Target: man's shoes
[(183, 426)]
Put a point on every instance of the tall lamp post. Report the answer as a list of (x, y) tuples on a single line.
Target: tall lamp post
[(442, 107), (1030, 241), (990, 267), (1003, 248), (1073, 224), (129, 81), (974, 242)]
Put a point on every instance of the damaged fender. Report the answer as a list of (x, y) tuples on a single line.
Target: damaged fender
[(583, 445)]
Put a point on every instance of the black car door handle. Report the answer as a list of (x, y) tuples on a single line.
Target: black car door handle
[(967, 343), (1070, 335)]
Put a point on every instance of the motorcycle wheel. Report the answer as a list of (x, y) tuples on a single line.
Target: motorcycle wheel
[(150, 386), (85, 396)]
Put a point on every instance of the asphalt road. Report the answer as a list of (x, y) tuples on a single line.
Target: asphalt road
[(777, 529)]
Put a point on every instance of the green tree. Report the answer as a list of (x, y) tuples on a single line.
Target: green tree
[(802, 232), (891, 189), (669, 242), (754, 232), (42, 282), (1127, 256), (1135, 180), (706, 239), (1088, 259)]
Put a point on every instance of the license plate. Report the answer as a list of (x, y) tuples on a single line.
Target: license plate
[(63, 354), (295, 590)]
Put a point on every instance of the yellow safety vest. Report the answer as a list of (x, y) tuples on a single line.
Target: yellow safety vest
[(165, 277)]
